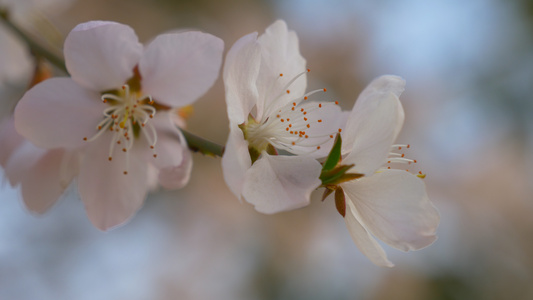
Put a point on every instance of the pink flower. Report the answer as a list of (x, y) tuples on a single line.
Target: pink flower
[(116, 108)]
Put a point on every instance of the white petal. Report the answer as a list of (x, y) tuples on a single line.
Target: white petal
[(176, 177), (101, 55), (280, 55), (110, 196), (379, 88), (364, 241), (178, 68), (395, 208), (44, 181), (58, 113), (240, 75), (372, 127), (279, 183), (173, 160), (235, 160)]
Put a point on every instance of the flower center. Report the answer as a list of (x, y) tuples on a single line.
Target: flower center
[(127, 117), (300, 127)]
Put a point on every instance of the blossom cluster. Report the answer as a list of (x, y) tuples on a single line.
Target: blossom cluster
[(113, 128)]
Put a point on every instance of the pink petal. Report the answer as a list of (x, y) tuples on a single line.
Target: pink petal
[(373, 125), (44, 181), (110, 196), (364, 241), (101, 55), (236, 160), (173, 160), (178, 68), (240, 74), (394, 206), (58, 113), (279, 183), (280, 55)]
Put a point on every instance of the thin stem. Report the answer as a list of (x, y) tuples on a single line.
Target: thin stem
[(35, 47), (199, 144)]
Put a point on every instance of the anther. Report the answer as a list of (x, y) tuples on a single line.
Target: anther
[(325, 90), (155, 155), (319, 121), (340, 130), (125, 172), (288, 91), (85, 138), (124, 150), (319, 104), (337, 102), (308, 70), (317, 147), (305, 98), (110, 158), (280, 74)]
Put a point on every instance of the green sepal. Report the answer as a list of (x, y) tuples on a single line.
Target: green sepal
[(334, 155)]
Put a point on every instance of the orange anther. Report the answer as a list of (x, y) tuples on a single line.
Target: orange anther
[(288, 91), (123, 149), (151, 146), (308, 125), (320, 105), (340, 130), (155, 155), (305, 98), (318, 147), (125, 172), (308, 70), (324, 89), (282, 120), (280, 74), (305, 119), (294, 104), (293, 143), (84, 138), (110, 158), (319, 121), (331, 136)]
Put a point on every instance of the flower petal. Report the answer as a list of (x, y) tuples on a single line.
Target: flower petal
[(240, 75), (43, 181), (178, 68), (235, 160), (373, 125), (110, 196), (363, 240), (280, 55), (173, 160), (101, 55), (394, 206), (279, 183), (58, 113)]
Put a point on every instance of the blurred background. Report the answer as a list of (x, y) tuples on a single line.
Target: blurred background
[(469, 120)]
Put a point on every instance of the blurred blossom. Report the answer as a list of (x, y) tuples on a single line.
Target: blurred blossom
[(15, 59), (390, 204), (136, 87), (268, 109)]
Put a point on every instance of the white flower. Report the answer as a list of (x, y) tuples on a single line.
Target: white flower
[(116, 109), (268, 109), (389, 204)]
